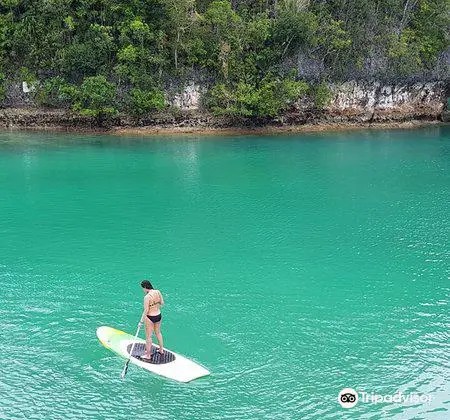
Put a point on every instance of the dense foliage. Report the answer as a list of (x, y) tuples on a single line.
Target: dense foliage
[(104, 56)]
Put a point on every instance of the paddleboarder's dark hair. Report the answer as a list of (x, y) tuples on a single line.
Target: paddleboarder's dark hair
[(146, 284)]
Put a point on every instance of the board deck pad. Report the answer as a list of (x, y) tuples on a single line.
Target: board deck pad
[(156, 358)]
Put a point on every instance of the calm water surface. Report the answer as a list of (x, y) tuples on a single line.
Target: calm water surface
[(292, 267)]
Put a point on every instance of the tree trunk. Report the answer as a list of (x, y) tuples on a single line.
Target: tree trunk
[(176, 49)]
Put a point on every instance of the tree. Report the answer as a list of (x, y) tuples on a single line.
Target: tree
[(94, 98), (294, 27), (180, 18), (143, 102)]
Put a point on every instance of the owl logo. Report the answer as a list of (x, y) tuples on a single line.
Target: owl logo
[(348, 398)]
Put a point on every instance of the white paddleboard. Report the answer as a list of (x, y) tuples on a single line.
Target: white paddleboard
[(170, 365)]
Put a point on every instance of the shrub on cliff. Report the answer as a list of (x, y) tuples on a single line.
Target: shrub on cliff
[(53, 93), (267, 99), (142, 102), (321, 94), (94, 98)]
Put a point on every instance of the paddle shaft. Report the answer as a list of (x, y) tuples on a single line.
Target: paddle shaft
[(125, 368)]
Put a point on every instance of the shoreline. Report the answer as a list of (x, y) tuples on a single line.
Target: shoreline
[(203, 131), (270, 129)]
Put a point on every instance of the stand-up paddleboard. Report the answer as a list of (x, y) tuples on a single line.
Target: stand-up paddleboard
[(170, 364)]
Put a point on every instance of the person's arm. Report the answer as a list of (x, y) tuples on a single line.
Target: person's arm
[(145, 310), (161, 300)]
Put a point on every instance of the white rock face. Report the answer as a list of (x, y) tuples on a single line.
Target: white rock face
[(351, 95), (189, 99), (363, 98)]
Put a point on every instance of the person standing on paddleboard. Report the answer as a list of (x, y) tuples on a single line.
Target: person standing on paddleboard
[(151, 316)]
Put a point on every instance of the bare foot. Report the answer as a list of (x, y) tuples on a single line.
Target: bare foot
[(161, 351), (146, 356)]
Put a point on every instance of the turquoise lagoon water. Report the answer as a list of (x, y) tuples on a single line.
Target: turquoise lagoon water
[(292, 267)]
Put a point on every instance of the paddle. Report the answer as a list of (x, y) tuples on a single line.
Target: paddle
[(125, 368)]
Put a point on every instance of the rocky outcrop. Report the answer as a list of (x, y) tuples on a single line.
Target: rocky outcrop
[(376, 102), (351, 103), (44, 118), (354, 100), (189, 99)]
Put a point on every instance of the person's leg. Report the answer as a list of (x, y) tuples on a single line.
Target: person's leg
[(148, 338), (157, 329)]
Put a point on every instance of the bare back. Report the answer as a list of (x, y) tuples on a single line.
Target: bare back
[(153, 301)]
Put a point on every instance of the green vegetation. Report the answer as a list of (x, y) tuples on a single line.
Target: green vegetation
[(321, 94), (145, 101), (94, 98), (102, 57), (53, 93), (266, 99)]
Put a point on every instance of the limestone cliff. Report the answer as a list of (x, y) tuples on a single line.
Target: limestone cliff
[(350, 103)]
